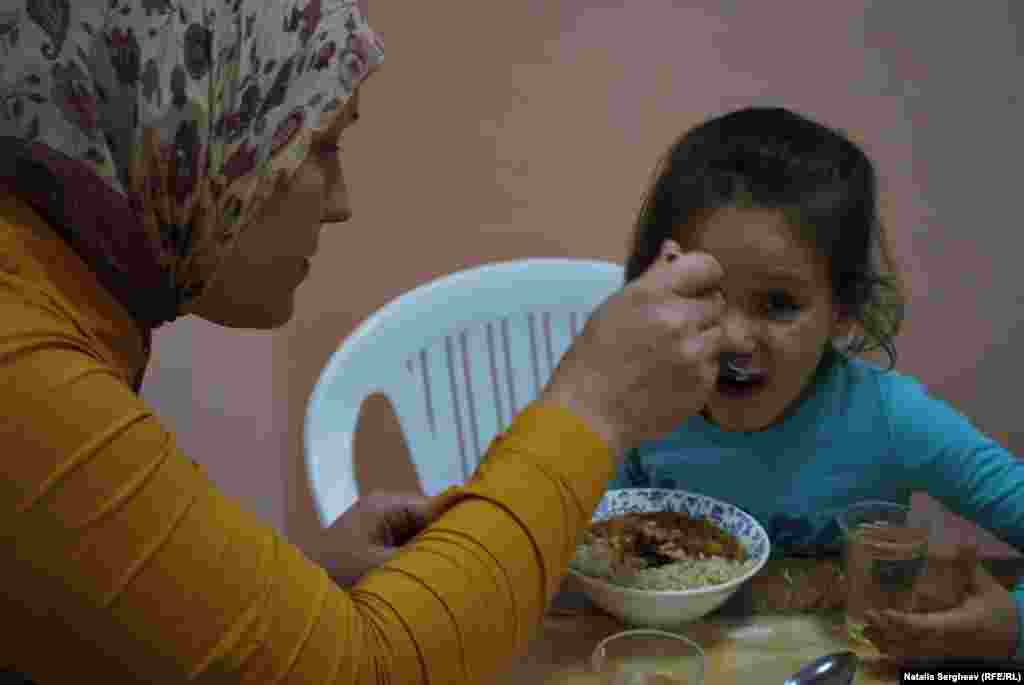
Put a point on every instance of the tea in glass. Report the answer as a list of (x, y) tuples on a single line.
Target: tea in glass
[(886, 545)]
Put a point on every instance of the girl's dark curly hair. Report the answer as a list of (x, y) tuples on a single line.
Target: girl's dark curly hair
[(826, 187)]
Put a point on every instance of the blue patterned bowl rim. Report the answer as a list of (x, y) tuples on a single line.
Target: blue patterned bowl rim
[(747, 530)]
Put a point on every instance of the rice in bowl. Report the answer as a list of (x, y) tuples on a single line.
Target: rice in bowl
[(705, 550), (592, 559), (661, 550)]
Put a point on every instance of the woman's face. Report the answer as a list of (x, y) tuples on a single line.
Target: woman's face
[(254, 286), (779, 315)]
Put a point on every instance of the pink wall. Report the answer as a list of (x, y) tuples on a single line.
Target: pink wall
[(530, 129)]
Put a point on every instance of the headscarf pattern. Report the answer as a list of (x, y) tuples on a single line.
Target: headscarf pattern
[(150, 133)]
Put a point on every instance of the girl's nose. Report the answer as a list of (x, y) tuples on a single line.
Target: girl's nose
[(737, 333)]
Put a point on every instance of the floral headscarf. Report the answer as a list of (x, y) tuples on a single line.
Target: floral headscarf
[(149, 133)]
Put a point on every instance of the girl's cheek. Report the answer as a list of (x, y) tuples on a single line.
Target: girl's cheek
[(789, 344)]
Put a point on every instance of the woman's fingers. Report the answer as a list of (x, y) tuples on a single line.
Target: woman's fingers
[(645, 360), (688, 275)]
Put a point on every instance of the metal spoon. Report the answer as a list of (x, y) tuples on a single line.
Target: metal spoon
[(837, 668), (730, 367), (736, 372)]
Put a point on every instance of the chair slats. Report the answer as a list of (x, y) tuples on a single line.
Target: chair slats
[(420, 379), (434, 398), (477, 369), (495, 352), (561, 335), (536, 350), (471, 383), (518, 365), (458, 357), (457, 397)]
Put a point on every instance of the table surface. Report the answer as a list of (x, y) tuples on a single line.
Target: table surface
[(748, 640)]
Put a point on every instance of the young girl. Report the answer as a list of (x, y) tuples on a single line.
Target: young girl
[(798, 427)]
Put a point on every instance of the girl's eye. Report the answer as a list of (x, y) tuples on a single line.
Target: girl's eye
[(780, 305)]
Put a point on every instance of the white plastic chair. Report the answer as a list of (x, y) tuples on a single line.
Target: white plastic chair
[(457, 358)]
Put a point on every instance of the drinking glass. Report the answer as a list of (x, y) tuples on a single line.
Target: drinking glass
[(648, 657), (885, 548)]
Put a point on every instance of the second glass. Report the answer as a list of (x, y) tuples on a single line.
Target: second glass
[(648, 657)]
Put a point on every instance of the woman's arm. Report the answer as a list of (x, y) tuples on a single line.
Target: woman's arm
[(120, 557)]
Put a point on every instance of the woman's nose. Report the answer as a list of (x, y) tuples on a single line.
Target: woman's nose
[(336, 202)]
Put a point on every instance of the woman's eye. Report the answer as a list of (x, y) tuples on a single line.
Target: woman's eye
[(325, 149)]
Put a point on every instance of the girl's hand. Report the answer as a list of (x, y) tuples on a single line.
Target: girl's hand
[(983, 626), (370, 532)]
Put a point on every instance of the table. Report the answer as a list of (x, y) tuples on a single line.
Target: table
[(746, 641)]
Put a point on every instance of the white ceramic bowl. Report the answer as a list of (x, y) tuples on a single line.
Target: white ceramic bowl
[(669, 608)]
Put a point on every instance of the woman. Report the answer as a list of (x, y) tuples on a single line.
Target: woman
[(165, 158)]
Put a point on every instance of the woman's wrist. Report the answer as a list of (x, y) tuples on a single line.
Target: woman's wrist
[(569, 399)]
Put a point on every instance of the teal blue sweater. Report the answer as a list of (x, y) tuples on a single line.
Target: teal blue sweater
[(864, 433)]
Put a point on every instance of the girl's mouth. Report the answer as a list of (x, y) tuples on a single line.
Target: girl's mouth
[(739, 383)]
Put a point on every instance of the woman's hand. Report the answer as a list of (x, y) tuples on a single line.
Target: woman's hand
[(370, 532), (648, 357), (983, 626)]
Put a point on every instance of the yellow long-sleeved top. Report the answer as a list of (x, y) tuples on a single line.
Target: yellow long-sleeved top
[(119, 559)]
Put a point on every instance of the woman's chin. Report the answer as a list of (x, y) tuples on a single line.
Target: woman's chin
[(271, 319), (257, 317)]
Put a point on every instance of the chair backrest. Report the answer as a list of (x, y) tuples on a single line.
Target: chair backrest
[(457, 358)]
